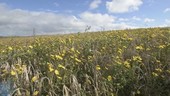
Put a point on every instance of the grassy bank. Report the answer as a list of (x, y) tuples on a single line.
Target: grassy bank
[(114, 63)]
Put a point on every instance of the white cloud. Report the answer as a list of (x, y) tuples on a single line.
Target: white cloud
[(107, 21), (148, 20), (122, 6), (97, 18), (136, 18), (95, 3), (167, 10), (22, 22), (123, 19)]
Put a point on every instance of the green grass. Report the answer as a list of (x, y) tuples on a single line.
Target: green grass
[(113, 63)]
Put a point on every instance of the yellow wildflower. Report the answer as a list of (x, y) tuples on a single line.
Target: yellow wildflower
[(10, 48), (59, 77), (50, 67), (137, 58), (78, 60), (119, 50), (13, 72), (30, 47), (112, 94), (72, 49), (109, 78), (56, 72), (61, 66), (117, 57), (77, 51), (35, 93), (162, 46), (148, 49), (127, 64), (130, 39), (158, 70), (98, 67), (59, 57), (35, 78), (158, 61), (3, 51), (139, 47), (118, 62), (154, 74), (103, 48)]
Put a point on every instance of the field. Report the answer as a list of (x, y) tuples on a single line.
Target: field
[(112, 63)]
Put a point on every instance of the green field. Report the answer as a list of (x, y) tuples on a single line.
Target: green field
[(111, 63)]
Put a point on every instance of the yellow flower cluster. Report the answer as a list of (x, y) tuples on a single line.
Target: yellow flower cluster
[(137, 58), (98, 67), (139, 47)]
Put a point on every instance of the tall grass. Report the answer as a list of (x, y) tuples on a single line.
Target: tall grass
[(114, 63)]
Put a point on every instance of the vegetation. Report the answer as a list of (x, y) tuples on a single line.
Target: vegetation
[(113, 63)]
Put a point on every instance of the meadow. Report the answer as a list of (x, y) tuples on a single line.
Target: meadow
[(132, 62)]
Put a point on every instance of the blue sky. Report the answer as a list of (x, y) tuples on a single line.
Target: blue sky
[(19, 17)]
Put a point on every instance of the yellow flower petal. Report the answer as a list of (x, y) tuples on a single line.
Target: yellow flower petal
[(35, 78), (59, 57), (13, 72), (57, 72), (61, 66), (51, 69), (98, 67), (10, 48), (78, 60), (35, 93), (109, 78)]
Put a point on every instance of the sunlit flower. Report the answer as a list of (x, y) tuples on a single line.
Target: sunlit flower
[(154, 74), (158, 70), (127, 64), (162, 46), (50, 67), (77, 52), (30, 47), (13, 72), (35, 93), (139, 47), (77, 60), (35, 78), (59, 77), (137, 58), (56, 72), (61, 66), (72, 49), (119, 50), (10, 48), (130, 39), (98, 67), (59, 57), (109, 78)]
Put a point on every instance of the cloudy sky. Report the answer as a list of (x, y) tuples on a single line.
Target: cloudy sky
[(20, 17)]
